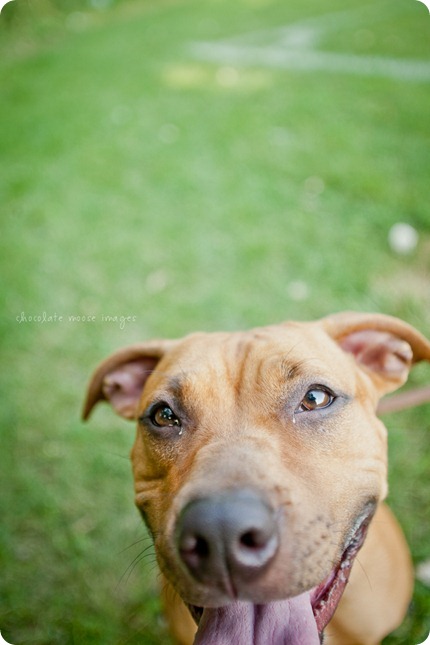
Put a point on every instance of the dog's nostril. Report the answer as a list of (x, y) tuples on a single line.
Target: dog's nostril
[(256, 547), (194, 545), (251, 540), (202, 547)]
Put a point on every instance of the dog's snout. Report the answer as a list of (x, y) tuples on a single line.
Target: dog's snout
[(234, 535)]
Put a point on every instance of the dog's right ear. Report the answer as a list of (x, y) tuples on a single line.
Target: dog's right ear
[(121, 377)]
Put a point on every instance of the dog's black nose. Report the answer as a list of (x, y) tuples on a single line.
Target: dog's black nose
[(234, 534)]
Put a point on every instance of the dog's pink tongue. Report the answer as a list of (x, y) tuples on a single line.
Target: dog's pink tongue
[(287, 622)]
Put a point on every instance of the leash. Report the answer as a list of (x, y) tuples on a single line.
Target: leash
[(404, 400)]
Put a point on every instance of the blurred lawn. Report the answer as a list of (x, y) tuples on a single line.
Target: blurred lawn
[(138, 180)]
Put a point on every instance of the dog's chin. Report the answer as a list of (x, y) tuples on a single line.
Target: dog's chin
[(293, 621)]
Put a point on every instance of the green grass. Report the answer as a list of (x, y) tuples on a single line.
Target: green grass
[(138, 180)]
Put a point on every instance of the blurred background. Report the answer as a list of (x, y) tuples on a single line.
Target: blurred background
[(170, 166)]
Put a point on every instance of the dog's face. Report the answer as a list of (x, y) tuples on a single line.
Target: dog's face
[(259, 458), (276, 412)]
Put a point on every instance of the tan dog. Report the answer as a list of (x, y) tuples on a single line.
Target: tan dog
[(259, 463)]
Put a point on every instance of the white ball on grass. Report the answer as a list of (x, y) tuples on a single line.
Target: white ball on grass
[(403, 238)]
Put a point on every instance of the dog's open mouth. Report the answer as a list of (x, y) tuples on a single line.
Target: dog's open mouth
[(294, 621)]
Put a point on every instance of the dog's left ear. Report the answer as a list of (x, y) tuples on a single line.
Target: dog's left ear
[(385, 347)]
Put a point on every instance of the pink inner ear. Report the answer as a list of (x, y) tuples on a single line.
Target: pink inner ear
[(123, 386), (381, 352)]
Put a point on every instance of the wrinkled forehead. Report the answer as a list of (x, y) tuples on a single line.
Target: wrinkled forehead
[(270, 355)]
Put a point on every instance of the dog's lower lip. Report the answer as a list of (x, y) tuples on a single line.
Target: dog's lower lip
[(326, 596)]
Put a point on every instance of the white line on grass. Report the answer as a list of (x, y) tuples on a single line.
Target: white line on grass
[(297, 59), (296, 47)]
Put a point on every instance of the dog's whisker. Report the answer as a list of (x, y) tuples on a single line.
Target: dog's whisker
[(154, 567), (141, 556), (132, 567), (115, 454), (364, 572), (144, 539)]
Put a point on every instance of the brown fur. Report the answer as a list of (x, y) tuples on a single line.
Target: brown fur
[(237, 395)]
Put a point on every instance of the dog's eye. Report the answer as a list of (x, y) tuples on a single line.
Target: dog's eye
[(316, 398), (164, 417)]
